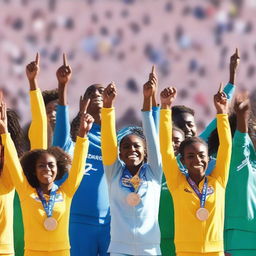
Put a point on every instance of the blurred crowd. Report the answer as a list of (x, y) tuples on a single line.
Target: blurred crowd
[(189, 41)]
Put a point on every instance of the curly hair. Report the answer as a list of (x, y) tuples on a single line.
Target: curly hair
[(188, 142), (29, 160), (50, 95)]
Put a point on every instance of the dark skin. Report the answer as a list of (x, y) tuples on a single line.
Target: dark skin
[(32, 71), (195, 155), (93, 93), (46, 181)]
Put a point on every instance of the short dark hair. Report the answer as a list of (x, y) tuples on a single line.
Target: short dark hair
[(50, 95), (181, 109), (29, 160), (133, 130), (189, 141)]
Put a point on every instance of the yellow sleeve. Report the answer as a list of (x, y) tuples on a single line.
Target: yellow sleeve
[(78, 165), (13, 164), (221, 170), (6, 184), (109, 146), (38, 128), (170, 166)]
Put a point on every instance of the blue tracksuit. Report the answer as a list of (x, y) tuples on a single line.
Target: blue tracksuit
[(89, 215)]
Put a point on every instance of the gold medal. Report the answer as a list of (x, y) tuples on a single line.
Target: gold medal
[(133, 199), (50, 224), (202, 214)]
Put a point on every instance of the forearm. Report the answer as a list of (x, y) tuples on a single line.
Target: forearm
[(78, 165), (62, 93), (224, 150), (147, 104), (11, 159), (108, 136), (38, 127), (33, 85)]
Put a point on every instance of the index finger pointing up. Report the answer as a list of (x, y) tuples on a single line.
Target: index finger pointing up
[(37, 58), (86, 104), (237, 53), (221, 88), (153, 69), (64, 60)]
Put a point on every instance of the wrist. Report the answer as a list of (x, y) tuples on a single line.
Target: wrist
[(165, 106)]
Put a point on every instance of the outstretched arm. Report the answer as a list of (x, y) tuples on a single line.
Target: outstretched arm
[(38, 127), (149, 129), (108, 131), (221, 170), (229, 90), (11, 159), (169, 162), (81, 149), (61, 135)]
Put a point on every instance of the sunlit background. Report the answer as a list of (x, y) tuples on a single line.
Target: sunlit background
[(189, 41)]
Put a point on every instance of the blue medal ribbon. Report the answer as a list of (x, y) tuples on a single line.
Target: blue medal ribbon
[(48, 206), (201, 196), (125, 180)]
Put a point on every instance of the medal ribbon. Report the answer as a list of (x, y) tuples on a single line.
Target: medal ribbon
[(48, 206), (201, 196), (126, 178)]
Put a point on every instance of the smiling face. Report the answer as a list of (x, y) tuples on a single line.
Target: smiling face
[(95, 93), (46, 169), (195, 158), (132, 151), (186, 122)]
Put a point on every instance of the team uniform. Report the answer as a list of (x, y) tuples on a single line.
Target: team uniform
[(240, 220), (166, 211), (37, 238), (134, 229), (193, 236), (90, 214)]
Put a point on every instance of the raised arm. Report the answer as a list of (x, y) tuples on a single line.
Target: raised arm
[(170, 166), (11, 159), (108, 131), (221, 170), (80, 153), (229, 90), (61, 135), (38, 127), (153, 150)]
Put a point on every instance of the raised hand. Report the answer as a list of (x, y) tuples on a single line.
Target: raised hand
[(64, 72), (109, 95), (32, 69), (221, 101), (83, 104), (234, 61), (3, 115), (167, 97), (86, 122), (242, 104)]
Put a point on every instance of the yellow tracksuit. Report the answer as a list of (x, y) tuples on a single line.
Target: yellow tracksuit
[(191, 234)]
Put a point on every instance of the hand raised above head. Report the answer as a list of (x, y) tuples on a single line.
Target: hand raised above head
[(64, 72), (109, 95), (32, 69), (221, 101), (167, 96), (234, 61), (86, 122), (242, 103)]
